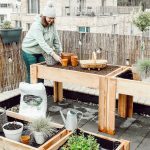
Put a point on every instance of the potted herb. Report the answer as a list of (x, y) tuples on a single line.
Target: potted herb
[(9, 34), (80, 142), (143, 67), (142, 21), (41, 129), (13, 130)]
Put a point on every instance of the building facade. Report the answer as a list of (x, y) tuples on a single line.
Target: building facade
[(97, 16), (6, 8)]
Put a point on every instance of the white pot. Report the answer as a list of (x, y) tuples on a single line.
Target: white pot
[(13, 134), (39, 137)]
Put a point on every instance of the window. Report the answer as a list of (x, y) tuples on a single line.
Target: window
[(83, 29), (114, 29), (2, 17), (33, 6), (28, 26), (18, 24)]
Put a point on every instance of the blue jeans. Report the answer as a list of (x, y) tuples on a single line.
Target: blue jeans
[(30, 59)]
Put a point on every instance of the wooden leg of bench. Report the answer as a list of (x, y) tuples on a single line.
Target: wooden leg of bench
[(33, 73), (125, 106), (102, 116), (111, 106), (58, 91), (122, 105), (129, 106)]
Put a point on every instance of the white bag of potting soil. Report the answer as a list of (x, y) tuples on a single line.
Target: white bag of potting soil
[(33, 102)]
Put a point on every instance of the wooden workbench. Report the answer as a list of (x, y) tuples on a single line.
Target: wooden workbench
[(105, 84)]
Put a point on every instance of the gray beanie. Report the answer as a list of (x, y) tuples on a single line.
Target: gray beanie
[(49, 10)]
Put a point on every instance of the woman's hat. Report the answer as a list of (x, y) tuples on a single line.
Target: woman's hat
[(49, 10)]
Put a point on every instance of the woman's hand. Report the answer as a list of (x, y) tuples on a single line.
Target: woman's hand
[(56, 57)]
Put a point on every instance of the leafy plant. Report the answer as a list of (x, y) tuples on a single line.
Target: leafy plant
[(42, 125), (80, 142), (142, 21), (6, 25), (143, 67)]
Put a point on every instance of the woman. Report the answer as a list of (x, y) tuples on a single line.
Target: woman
[(42, 37)]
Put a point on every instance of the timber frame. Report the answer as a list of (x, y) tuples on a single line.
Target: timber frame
[(7, 144), (105, 84)]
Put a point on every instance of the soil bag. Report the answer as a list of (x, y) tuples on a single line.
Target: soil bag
[(33, 102)]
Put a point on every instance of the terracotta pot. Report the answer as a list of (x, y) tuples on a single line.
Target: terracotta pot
[(25, 139), (67, 56), (64, 62), (74, 63), (74, 57)]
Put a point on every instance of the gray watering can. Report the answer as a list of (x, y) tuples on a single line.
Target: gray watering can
[(71, 122)]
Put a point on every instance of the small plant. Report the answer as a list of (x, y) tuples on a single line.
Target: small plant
[(80, 142), (143, 67), (43, 126), (142, 21), (6, 25)]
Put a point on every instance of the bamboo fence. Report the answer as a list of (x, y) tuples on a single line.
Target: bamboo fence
[(115, 48)]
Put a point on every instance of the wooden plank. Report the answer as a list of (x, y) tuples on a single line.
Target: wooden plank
[(111, 105), (55, 91), (49, 144), (125, 86), (117, 71), (122, 105), (28, 119), (33, 73), (7, 144), (63, 75), (129, 106), (102, 110), (58, 91)]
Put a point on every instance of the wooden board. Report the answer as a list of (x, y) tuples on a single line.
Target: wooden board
[(93, 64), (9, 144), (124, 145)]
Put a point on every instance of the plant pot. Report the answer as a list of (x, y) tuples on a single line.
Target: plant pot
[(10, 35), (50, 61), (74, 63), (13, 134), (3, 118), (64, 62), (25, 139), (39, 137), (74, 57), (135, 72), (67, 56)]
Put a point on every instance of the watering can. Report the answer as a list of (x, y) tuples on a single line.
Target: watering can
[(71, 122)]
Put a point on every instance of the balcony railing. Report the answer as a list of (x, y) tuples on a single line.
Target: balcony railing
[(98, 11)]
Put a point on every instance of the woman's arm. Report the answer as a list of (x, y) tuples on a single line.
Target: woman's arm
[(38, 36)]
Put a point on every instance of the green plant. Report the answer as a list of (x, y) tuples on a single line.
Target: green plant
[(142, 21), (6, 25), (143, 67), (42, 125), (80, 142)]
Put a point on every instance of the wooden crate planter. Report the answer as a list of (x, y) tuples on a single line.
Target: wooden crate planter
[(59, 75), (104, 142), (127, 89), (8, 144)]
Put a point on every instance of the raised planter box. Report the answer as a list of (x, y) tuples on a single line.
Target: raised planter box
[(104, 142), (8, 144), (88, 78)]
